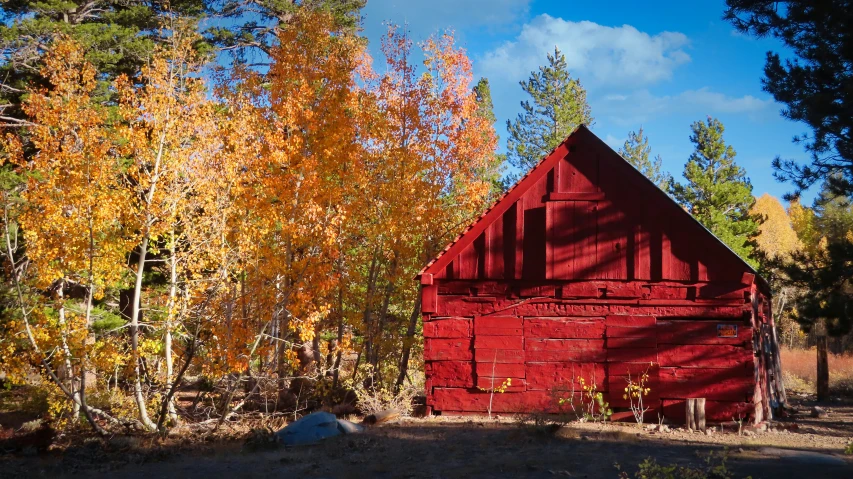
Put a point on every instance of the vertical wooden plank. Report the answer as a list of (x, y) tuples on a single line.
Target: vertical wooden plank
[(465, 265), (480, 249), (681, 251), (495, 250), (582, 172), (703, 271), (611, 242), (558, 174), (642, 258), (534, 243), (564, 243), (585, 238), (519, 238), (550, 239), (666, 255), (509, 242)]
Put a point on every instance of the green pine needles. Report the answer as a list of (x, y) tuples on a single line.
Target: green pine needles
[(558, 106), (717, 192)]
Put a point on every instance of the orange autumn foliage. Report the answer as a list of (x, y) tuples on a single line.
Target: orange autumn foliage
[(258, 231)]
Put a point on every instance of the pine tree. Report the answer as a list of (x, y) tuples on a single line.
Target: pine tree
[(117, 35), (559, 106), (637, 151), (251, 27), (718, 192), (814, 81), (485, 109)]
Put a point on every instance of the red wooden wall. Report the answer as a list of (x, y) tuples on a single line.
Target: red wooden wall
[(586, 269)]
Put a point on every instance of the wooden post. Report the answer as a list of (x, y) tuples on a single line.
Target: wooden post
[(822, 369), (700, 414), (690, 414)]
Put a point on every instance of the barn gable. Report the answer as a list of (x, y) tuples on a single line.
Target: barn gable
[(586, 270), (584, 213)]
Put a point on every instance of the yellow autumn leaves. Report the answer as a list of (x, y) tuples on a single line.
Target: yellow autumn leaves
[(252, 221)]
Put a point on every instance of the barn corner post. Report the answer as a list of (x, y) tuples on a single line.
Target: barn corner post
[(770, 397), (586, 270)]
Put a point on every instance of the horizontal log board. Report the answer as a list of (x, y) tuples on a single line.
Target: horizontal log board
[(563, 328), (450, 373), (515, 385), (547, 376), (577, 355), (500, 370), (716, 384), (564, 344), (463, 306), (633, 355), (623, 370), (447, 349), (503, 356), (474, 400), (704, 356), (498, 342), (615, 322), (630, 332), (447, 328), (701, 332), (595, 289), (631, 343), (498, 326)]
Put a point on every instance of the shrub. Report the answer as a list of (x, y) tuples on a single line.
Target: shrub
[(714, 467)]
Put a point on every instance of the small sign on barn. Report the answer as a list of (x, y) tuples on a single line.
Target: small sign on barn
[(585, 271), (727, 330)]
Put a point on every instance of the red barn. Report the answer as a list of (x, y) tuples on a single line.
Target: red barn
[(585, 269)]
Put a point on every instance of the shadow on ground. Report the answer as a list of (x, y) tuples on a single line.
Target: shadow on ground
[(421, 449)]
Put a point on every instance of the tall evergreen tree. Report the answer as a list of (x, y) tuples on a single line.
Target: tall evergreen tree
[(815, 84), (822, 269), (559, 106), (249, 29), (118, 36), (718, 192), (486, 109), (637, 151)]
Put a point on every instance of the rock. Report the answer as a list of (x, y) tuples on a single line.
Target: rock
[(348, 427), (748, 433), (819, 412), (313, 428), (709, 431)]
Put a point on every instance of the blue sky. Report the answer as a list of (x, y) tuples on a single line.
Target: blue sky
[(660, 65)]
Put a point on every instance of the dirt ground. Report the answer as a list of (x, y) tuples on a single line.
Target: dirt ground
[(462, 447)]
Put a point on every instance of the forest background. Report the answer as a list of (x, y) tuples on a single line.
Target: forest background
[(239, 206)]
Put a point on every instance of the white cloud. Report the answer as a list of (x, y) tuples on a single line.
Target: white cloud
[(719, 102), (597, 54), (641, 105), (614, 142)]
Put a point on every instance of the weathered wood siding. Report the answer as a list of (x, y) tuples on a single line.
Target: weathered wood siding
[(585, 269)]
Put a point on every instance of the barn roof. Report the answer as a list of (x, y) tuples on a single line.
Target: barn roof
[(508, 199)]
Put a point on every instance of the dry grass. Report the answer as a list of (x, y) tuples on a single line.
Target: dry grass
[(800, 371)]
